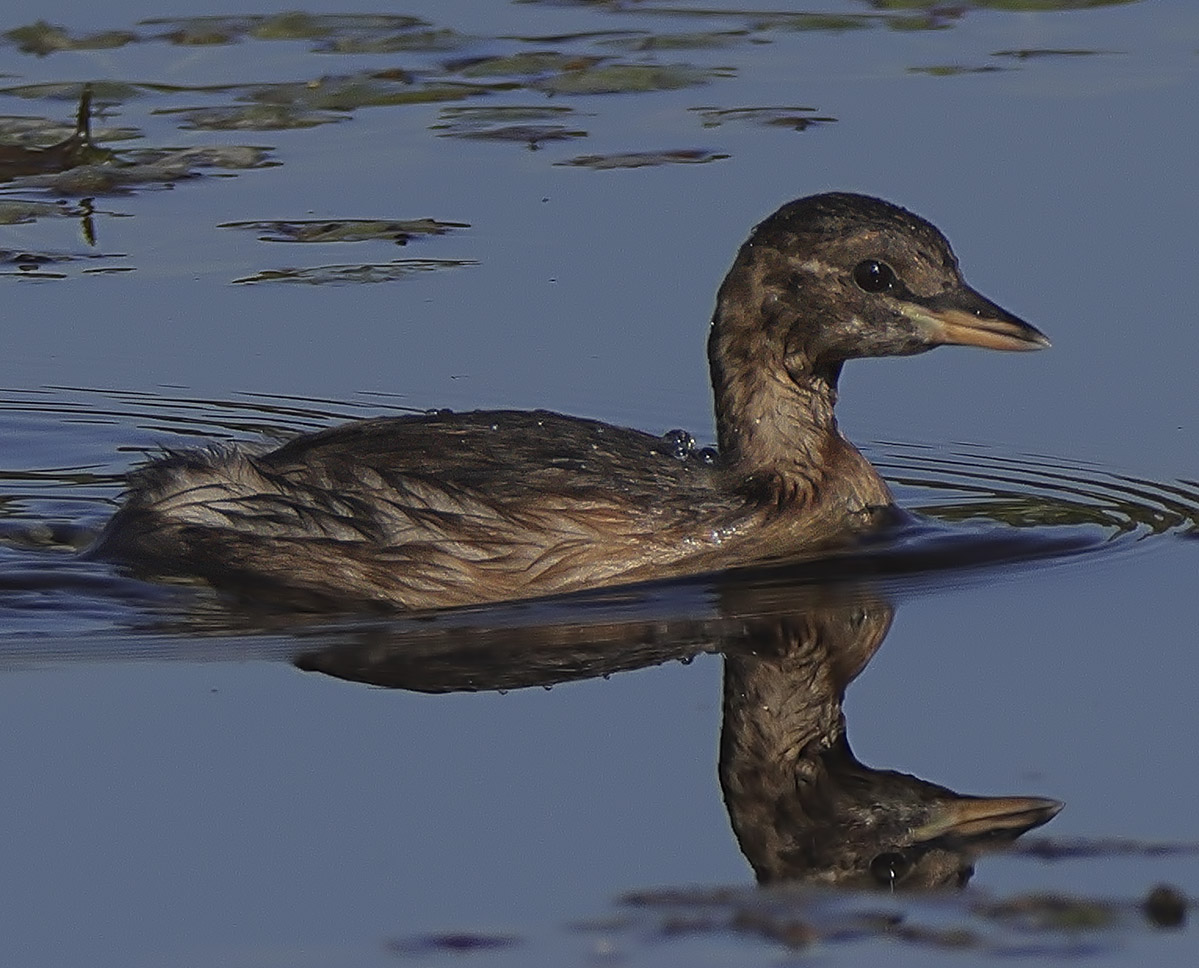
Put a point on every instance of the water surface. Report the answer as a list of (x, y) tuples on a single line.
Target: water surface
[(194, 785)]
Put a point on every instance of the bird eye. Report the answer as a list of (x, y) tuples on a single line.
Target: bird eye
[(874, 276), (888, 868)]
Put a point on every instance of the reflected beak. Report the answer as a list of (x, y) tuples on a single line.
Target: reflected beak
[(961, 317), (967, 818)]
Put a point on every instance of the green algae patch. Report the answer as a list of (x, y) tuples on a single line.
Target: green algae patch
[(627, 79), (43, 38)]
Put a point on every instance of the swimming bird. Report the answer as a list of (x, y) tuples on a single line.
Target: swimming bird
[(449, 509)]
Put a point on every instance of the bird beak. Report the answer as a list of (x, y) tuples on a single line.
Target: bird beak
[(968, 818), (962, 317)]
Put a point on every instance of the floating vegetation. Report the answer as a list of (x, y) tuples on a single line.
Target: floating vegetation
[(17, 211), (628, 79), (504, 114), (644, 159), (702, 40), (105, 92), (952, 70), (373, 89), (284, 26), (42, 132), (511, 123), (814, 21), (795, 118), (1044, 924), (1037, 52), (456, 942), (400, 232), (530, 135), (73, 151), (42, 38), (522, 65), (146, 167), (252, 117), (416, 41), (32, 264), (349, 274)]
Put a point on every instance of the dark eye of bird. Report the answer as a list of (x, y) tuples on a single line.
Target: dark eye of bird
[(874, 276), (888, 868)]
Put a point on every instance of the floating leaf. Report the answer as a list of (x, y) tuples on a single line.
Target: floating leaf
[(627, 78), (531, 135), (42, 38), (346, 230), (234, 157), (348, 274), (417, 41), (951, 70), (16, 211), (31, 264), (503, 114), (687, 41), (108, 92), (643, 159), (76, 149), (252, 117), (519, 65), (39, 132), (813, 21), (362, 90), (283, 26), (796, 118), (1035, 52), (491, 123)]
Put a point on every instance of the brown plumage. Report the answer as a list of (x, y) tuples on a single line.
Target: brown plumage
[(454, 509), (802, 806)]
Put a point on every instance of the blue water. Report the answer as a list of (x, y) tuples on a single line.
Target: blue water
[(177, 794)]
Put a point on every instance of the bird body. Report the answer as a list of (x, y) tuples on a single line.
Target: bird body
[(448, 509)]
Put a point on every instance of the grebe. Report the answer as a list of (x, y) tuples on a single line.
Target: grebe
[(449, 509)]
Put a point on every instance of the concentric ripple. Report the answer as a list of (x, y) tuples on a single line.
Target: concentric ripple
[(966, 508), (1035, 491)]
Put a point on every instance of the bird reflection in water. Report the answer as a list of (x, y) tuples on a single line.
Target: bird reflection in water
[(801, 805)]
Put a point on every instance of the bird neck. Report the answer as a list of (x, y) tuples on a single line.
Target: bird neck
[(774, 408)]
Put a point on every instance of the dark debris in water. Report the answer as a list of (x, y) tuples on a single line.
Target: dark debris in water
[(795, 118), (460, 942), (358, 273), (953, 70), (1042, 924), (400, 231), (1030, 53), (1059, 848), (644, 159), (528, 125), (533, 136), (32, 264)]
